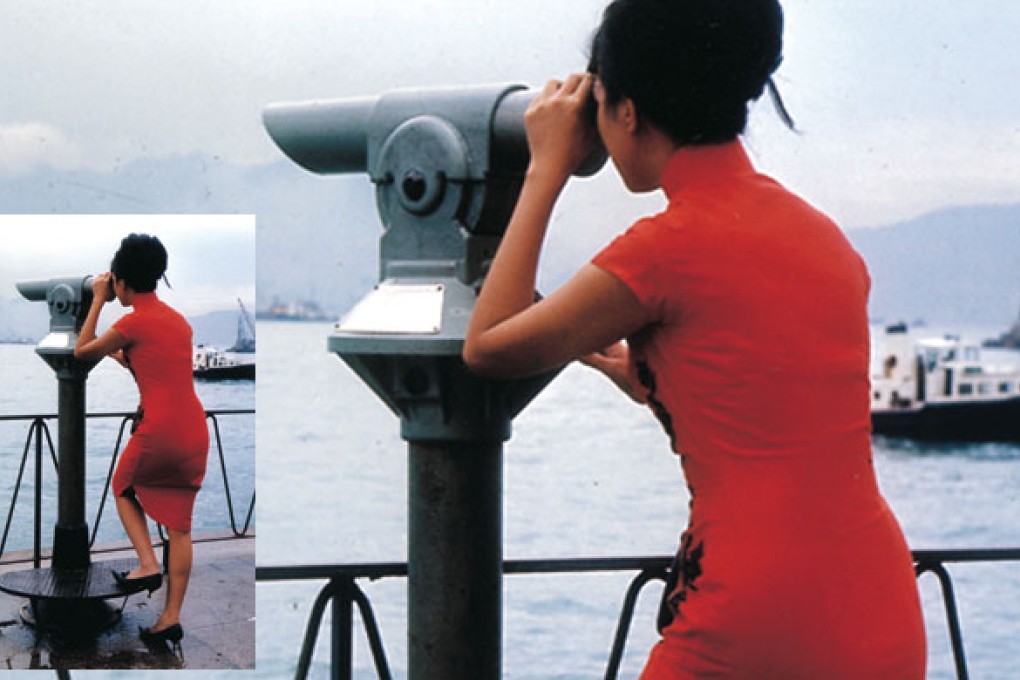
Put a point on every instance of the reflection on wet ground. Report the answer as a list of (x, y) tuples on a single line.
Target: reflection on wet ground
[(218, 620)]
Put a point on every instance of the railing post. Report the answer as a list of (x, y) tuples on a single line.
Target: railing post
[(952, 614), (37, 513), (626, 616), (342, 638)]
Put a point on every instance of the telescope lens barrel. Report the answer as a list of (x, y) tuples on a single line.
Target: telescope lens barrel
[(76, 288), (34, 290), (323, 136), (333, 136)]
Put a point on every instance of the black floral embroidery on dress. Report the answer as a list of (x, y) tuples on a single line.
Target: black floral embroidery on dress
[(647, 378), (685, 570)]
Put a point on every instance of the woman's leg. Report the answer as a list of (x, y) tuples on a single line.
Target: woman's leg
[(178, 573), (133, 519)]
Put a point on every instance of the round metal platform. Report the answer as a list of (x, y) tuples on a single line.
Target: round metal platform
[(94, 583), (69, 602)]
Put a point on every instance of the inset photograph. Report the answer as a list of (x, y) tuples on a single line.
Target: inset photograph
[(127, 441)]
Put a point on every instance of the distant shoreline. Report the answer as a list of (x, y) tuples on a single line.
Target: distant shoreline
[(291, 318)]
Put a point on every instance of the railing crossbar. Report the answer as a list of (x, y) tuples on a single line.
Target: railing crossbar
[(39, 432), (648, 568)]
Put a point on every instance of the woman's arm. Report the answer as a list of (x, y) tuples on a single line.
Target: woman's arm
[(510, 335), (89, 347)]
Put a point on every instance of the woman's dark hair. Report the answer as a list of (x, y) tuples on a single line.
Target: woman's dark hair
[(139, 262), (690, 66)]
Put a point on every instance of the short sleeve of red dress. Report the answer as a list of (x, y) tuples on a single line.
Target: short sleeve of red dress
[(127, 327), (631, 257)]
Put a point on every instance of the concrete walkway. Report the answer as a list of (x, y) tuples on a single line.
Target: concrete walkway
[(218, 617)]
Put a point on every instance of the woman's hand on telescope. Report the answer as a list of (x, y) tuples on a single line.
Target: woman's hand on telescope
[(510, 335), (89, 347), (560, 134), (102, 288)]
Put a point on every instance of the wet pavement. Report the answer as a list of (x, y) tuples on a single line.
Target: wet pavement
[(218, 617)]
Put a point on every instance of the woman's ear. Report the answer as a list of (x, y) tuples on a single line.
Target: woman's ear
[(627, 113)]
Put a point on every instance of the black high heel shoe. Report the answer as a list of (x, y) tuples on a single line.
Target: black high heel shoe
[(152, 582), (172, 634)]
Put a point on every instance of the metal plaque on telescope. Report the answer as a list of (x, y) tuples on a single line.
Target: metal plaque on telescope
[(56, 341), (397, 309)]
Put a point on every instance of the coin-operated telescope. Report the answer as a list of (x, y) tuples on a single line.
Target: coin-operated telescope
[(68, 597), (68, 300), (447, 166)]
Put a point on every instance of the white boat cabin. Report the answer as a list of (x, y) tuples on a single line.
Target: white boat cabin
[(203, 358), (912, 373)]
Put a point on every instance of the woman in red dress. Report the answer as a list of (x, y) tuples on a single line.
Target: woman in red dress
[(162, 467), (738, 314)]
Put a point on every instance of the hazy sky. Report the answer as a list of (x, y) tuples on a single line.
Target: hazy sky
[(211, 257), (904, 106)]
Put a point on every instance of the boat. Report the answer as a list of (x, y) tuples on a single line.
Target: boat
[(245, 341), (1008, 340), (942, 389), (210, 363), (303, 310)]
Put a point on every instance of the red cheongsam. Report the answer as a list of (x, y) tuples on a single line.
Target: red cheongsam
[(164, 461), (757, 363)]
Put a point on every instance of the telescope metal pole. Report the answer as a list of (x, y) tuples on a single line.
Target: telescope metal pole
[(455, 560), (70, 534)]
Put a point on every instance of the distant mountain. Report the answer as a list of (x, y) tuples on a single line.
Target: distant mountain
[(218, 329), (318, 236), (24, 320), (954, 266)]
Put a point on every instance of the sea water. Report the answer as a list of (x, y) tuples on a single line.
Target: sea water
[(587, 473), (28, 386)]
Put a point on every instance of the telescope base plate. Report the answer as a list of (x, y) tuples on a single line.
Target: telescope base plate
[(92, 583), (69, 602), (70, 618)]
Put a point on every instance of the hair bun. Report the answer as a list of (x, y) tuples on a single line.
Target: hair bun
[(140, 261), (689, 66)]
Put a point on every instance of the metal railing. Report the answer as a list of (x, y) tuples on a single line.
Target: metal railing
[(343, 593), (39, 436)]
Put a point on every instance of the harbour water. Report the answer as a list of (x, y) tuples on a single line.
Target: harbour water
[(587, 473), (29, 387)]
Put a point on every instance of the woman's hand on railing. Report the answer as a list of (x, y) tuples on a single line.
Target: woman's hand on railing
[(614, 362)]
